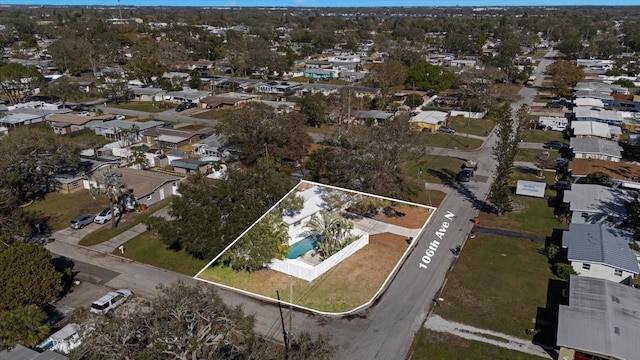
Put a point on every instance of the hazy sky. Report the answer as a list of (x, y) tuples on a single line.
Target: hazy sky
[(325, 3)]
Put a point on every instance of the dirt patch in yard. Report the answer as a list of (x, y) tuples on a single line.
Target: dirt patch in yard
[(408, 216)]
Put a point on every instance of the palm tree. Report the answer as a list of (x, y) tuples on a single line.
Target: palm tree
[(334, 232), (109, 182)]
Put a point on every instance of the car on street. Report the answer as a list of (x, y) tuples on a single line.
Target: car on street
[(464, 175), (105, 215), (81, 221), (446, 129), (110, 301), (555, 144), (185, 105)]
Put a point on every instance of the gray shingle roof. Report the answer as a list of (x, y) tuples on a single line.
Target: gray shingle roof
[(596, 199), (595, 146), (600, 244), (603, 317)]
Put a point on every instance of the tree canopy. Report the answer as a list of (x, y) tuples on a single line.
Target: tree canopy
[(189, 322), (565, 76), (210, 214), (424, 76)]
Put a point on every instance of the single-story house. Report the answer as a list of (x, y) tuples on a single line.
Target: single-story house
[(228, 100), (186, 95), (588, 129), (610, 117), (625, 173), (429, 120), (187, 166), (277, 87), (280, 107), (114, 129), (148, 94), (600, 251), (21, 119), (321, 74), (165, 138), (20, 352), (72, 181), (150, 187), (531, 188), (596, 204), (602, 319), (377, 117), (595, 148), (589, 102), (68, 123)]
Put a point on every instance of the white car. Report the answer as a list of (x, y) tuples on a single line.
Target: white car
[(105, 215), (110, 301)]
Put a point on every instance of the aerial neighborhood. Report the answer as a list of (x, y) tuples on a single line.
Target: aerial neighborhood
[(319, 183)]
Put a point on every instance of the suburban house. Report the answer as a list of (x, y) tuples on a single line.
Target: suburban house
[(187, 166), (600, 251), (166, 138), (68, 123), (214, 145), (589, 102), (321, 74), (150, 187), (280, 107), (590, 129), (20, 352), (626, 174), (114, 130), (186, 95), (429, 120), (313, 203), (595, 114), (72, 181), (278, 87), (21, 119), (226, 101), (596, 204), (375, 117), (602, 319), (148, 94), (595, 148)]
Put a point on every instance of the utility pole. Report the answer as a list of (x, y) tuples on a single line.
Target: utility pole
[(284, 330)]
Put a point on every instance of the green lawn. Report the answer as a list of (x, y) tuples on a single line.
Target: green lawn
[(128, 221), (89, 139), (432, 168), (542, 136), (481, 127), (498, 283), (530, 154), (148, 106), (432, 345), (60, 208), (147, 248), (450, 141)]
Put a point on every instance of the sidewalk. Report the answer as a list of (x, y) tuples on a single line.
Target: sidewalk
[(436, 323)]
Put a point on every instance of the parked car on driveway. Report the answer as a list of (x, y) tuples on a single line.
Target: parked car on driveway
[(81, 221), (446, 129), (464, 175), (110, 301), (105, 215), (555, 144)]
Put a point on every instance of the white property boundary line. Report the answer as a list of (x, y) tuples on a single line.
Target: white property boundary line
[(382, 288)]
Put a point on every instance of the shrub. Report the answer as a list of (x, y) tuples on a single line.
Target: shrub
[(563, 270), (552, 252)]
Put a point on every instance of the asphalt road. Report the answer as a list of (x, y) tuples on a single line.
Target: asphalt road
[(384, 331)]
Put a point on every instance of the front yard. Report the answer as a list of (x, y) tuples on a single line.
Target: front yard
[(542, 136), (480, 127), (498, 283), (60, 208), (147, 106), (450, 141)]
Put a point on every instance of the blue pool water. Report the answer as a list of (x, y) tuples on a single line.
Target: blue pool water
[(302, 246)]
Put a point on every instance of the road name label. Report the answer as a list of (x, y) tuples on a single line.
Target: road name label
[(433, 245)]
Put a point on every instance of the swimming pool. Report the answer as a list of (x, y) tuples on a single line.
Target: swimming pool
[(302, 246)]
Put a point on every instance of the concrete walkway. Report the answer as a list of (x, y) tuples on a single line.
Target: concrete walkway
[(483, 138), (377, 227), (436, 323)]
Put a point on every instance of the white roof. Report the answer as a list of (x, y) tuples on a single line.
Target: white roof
[(590, 128), (531, 188), (430, 117), (313, 203), (603, 115), (592, 198), (589, 102), (171, 138)]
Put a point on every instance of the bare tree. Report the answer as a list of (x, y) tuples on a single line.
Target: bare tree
[(109, 182)]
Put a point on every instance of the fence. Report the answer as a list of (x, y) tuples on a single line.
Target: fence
[(468, 114), (310, 272)]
